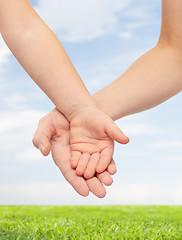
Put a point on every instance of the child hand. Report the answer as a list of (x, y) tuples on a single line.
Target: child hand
[(92, 135), (53, 134)]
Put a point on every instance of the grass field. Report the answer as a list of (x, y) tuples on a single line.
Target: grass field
[(90, 222)]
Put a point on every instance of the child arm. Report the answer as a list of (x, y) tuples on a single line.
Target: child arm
[(42, 55)]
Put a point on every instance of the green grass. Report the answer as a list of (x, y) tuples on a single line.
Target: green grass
[(108, 222)]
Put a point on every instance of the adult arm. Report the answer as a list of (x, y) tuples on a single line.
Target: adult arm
[(154, 77)]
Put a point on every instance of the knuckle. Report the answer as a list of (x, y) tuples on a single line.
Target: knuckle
[(35, 141), (41, 121)]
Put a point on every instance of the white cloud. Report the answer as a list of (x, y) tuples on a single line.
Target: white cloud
[(139, 129), (135, 25), (138, 124), (29, 155), (131, 154), (62, 193), (109, 69), (140, 10), (2, 83), (166, 144), (81, 20), (14, 100), (36, 193), (86, 20), (16, 131), (48, 193), (145, 193), (126, 35), (174, 159), (4, 53), (12, 121)]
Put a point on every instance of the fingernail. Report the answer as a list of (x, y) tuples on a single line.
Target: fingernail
[(41, 148)]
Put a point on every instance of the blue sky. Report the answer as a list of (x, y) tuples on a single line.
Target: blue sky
[(102, 38)]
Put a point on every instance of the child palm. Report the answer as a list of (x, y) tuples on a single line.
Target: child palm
[(92, 135)]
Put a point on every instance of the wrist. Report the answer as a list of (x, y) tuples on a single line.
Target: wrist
[(104, 105), (76, 110)]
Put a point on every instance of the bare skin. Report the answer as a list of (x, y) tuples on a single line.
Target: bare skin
[(53, 133), (91, 141), (153, 78), (42, 55)]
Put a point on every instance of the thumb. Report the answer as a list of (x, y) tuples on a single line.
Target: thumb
[(115, 133), (41, 139)]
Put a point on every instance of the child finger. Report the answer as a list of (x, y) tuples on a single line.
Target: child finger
[(112, 167), (82, 164), (105, 178), (104, 161), (75, 156), (91, 167)]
